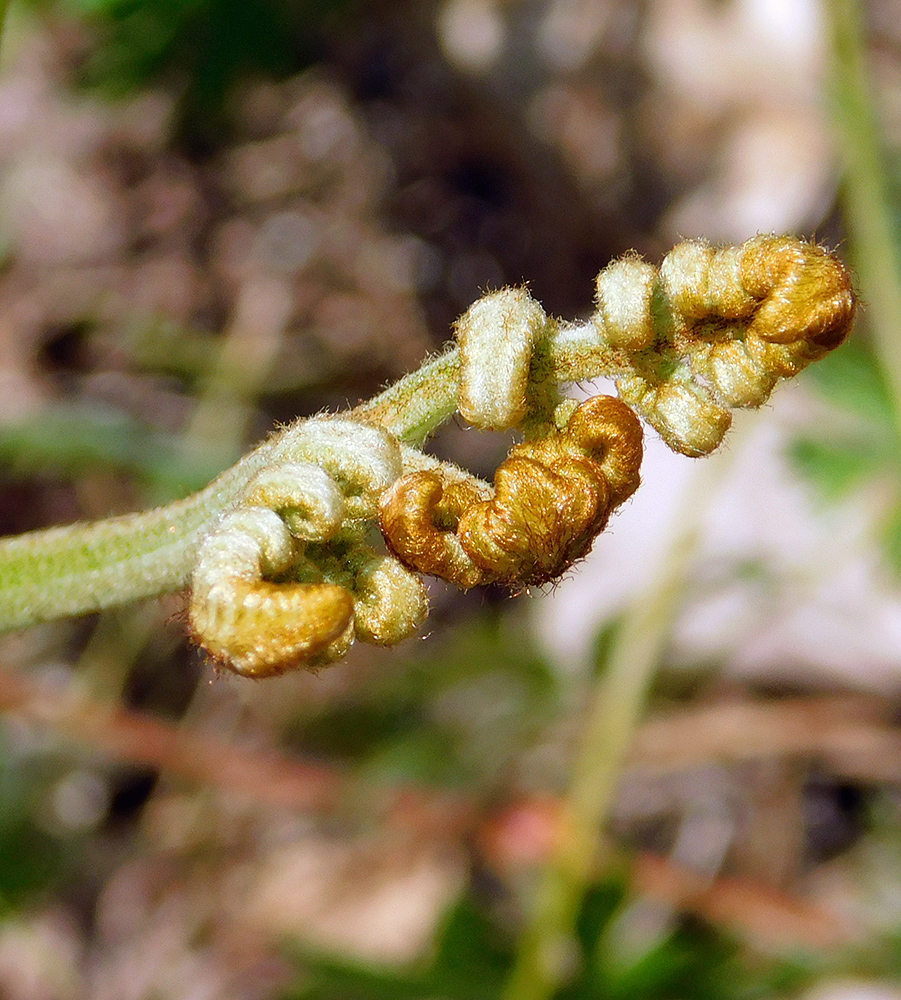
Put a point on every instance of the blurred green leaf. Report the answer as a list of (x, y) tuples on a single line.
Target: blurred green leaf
[(890, 536), (684, 959), (30, 858), (70, 439), (351, 731), (836, 467), (867, 445), (844, 455), (851, 378), (206, 45), (475, 954), (471, 964)]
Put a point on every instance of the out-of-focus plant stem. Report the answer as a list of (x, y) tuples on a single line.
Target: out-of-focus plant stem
[(616, 704), (4, 8), (867, 206)]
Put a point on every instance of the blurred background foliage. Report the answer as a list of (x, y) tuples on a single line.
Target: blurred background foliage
[(203, 48), (216, 216)]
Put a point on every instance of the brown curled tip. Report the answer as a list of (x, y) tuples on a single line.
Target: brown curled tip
[(261, 629), (552, 497), (806, 292), (419, 516), (607, 429), (805, 307)]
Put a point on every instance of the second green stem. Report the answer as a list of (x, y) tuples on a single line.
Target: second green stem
[(616, 705)]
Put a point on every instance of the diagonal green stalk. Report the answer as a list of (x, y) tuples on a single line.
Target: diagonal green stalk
[(87, 567), (4, 10), (616, 705)]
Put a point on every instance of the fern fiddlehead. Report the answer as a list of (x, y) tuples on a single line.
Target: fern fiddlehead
[(276, 551)]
